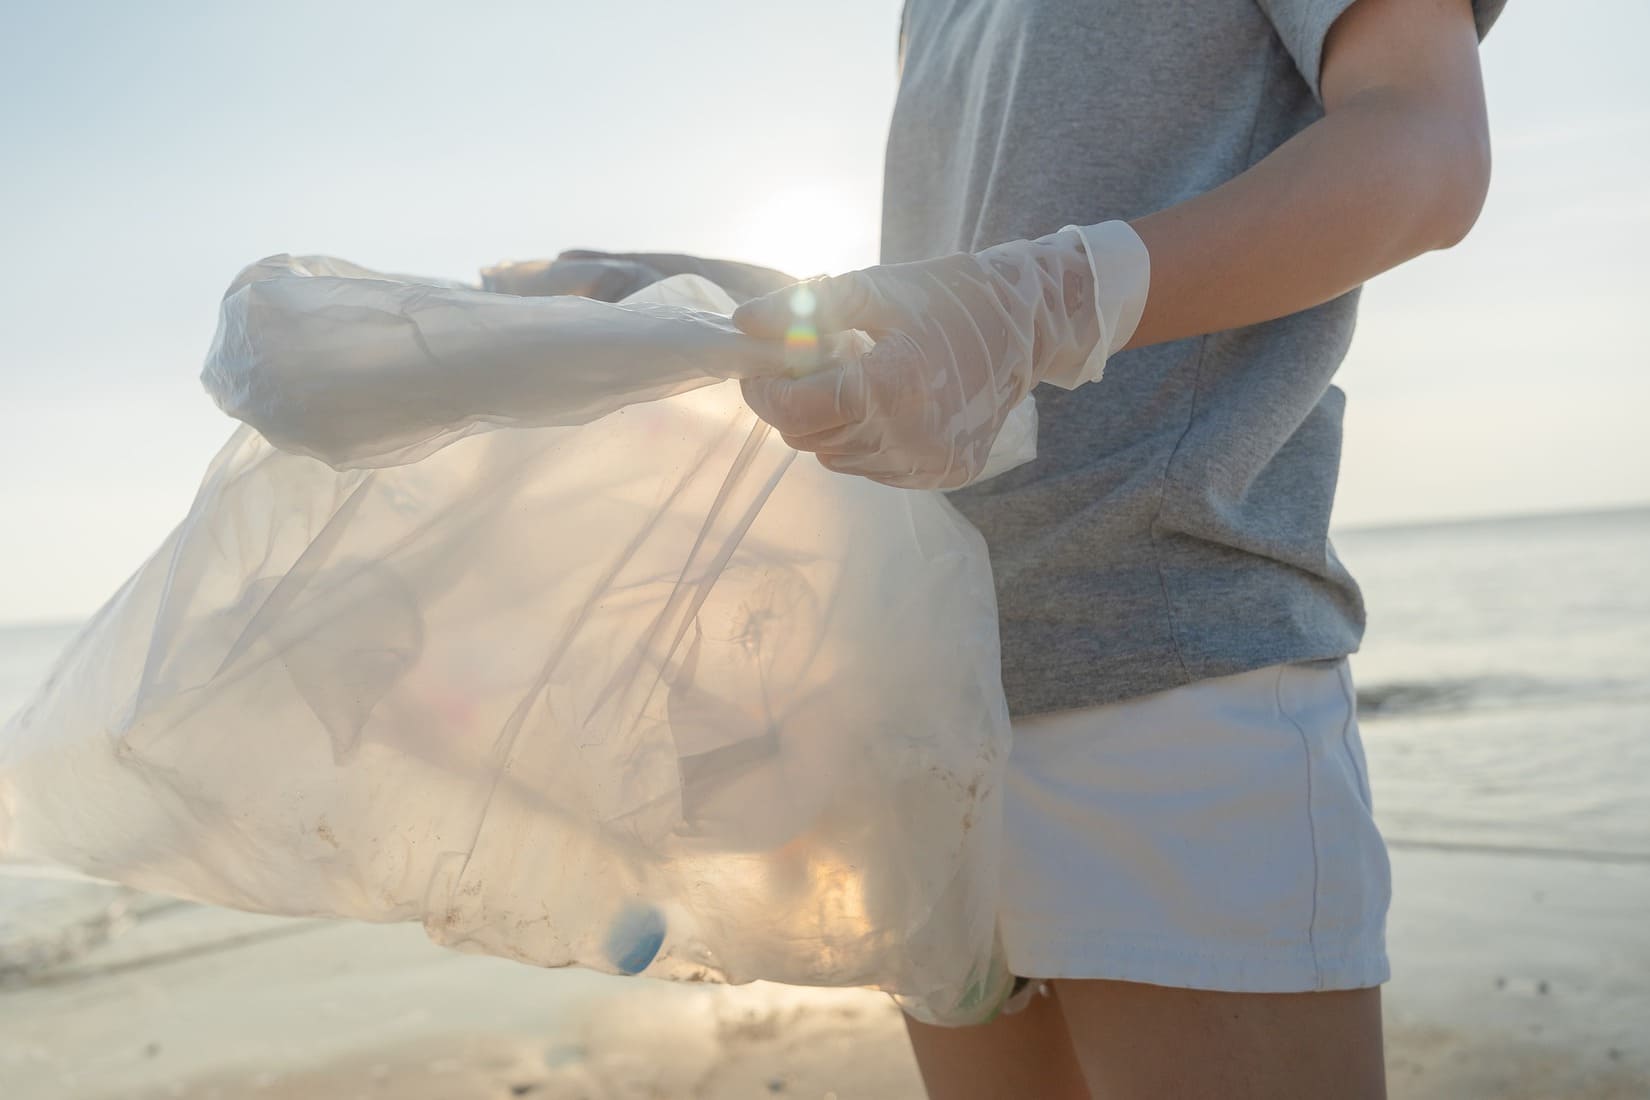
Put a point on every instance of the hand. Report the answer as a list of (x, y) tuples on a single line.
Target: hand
[(585, 274), (959, 342), (614, 276)]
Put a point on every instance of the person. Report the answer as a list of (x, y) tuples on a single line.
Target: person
[(1165, 211)]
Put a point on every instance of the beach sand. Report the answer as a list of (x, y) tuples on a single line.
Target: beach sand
[(1515, 977)]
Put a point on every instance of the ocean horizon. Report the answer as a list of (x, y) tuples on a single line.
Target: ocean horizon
[(1337, 531)]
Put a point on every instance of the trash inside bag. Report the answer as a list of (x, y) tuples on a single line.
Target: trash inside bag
[(505, 615)]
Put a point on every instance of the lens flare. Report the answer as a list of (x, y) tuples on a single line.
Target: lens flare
[(802, 337)]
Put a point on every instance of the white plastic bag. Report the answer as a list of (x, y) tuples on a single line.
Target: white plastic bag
[(619, 684)]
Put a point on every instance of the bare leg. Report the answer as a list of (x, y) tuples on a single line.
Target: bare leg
[(1024, 1055), (1138, 1041)]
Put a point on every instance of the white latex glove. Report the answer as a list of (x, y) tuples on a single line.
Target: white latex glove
[(959, 342)]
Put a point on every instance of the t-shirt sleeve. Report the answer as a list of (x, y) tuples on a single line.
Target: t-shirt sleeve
[(1304, 24)]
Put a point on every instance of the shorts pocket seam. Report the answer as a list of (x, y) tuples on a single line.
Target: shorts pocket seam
[(1352, 755), (1311, 826)]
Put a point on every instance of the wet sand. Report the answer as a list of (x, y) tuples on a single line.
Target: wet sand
[(1515, 976)]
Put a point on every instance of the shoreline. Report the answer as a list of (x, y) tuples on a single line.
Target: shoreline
[(1514, 976)]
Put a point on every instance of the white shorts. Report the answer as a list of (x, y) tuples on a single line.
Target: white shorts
[(1215, 836)]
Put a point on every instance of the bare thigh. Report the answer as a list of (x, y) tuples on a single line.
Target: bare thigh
[(1137, 1040), (1127, 1041), (1024, 1055)]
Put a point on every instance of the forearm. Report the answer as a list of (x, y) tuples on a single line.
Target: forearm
[(1398, 166), (1378, 182)]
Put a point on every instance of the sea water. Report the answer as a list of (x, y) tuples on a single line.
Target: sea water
[(1504, 682), (1504, 697)]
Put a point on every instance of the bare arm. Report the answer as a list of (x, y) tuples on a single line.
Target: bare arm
[(1398, 166)]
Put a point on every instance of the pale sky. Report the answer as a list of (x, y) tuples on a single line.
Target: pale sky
[(152, 150)]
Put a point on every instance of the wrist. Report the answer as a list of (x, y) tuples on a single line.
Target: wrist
[(1120, 267)]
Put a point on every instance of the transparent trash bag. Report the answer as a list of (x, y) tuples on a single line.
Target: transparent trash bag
[(616, 683)]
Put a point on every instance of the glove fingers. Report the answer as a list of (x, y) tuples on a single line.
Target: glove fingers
[(874, 466), (832, 303), (889, 469), (849, 439), (819, 402)]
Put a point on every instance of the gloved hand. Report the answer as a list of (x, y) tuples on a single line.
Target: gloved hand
[(959, 342), (585, 274)]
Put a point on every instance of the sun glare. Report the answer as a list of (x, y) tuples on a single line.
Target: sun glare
[(809, 230)]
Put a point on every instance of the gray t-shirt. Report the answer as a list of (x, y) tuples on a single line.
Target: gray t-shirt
[(1174, 526)]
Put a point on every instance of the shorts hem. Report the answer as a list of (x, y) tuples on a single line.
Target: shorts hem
[(1053, 952)]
